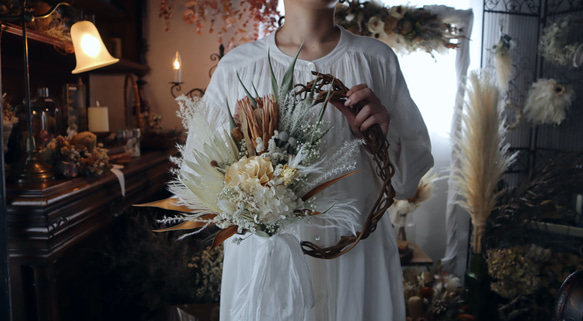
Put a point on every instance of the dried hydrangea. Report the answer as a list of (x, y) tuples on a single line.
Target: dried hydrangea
[(516, 270), (209, 268)]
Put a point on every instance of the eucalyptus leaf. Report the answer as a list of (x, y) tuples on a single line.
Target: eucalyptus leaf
[(287, 83), (274, 85), (253, 101), (231, 118), (255, 90)]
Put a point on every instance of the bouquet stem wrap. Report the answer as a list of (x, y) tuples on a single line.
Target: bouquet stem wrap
[(280, 288)]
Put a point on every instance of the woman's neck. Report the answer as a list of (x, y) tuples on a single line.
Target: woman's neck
[(315, 28)]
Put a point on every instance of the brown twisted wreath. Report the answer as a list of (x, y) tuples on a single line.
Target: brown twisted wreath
[(379, 148)]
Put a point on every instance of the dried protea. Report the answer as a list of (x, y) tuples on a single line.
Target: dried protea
[(258, 124)]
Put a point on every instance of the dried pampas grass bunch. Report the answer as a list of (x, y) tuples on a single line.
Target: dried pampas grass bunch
[(547, 102), (482, 152)]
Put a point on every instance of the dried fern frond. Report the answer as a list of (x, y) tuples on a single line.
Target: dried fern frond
[(482, 152)]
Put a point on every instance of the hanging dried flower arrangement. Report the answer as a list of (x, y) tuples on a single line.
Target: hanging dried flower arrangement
[(403, 28), (222, 16), (503, 61), (553, 44), (548, 101)]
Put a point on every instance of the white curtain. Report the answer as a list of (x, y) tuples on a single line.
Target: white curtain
[(437, 86)]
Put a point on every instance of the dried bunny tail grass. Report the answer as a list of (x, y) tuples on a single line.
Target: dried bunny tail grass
[(548, 101), (504, 69), (482, 152)]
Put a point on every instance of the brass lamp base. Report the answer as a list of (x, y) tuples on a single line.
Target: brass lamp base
[(32, 171)]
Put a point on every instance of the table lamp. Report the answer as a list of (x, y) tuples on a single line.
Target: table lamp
[(90, 54)]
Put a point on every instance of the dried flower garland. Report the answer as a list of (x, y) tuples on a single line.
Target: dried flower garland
[(403, 28), (547, 102), (233, 15), (553, 44)]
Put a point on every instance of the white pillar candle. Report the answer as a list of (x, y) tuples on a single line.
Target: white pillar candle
[(98, 119), (177, 67)]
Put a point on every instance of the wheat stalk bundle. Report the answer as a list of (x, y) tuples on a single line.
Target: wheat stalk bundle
[(482, 153)]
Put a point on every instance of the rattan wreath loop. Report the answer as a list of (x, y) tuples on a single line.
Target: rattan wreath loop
[(379, 148)]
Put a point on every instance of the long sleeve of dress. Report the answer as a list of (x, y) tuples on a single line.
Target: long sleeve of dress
[(410, 148)]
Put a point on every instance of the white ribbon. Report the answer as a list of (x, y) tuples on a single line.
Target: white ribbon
[(280, 288), (116, 170)]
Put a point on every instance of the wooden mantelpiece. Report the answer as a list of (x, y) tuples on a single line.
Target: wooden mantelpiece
[(49, 222)]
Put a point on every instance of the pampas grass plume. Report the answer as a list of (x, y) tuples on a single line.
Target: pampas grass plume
[(482, 152)]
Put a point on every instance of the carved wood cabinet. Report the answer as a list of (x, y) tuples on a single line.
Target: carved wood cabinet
[(53, 225)]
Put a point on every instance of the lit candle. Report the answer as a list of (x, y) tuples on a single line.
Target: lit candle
[(177, 66), (98, 118)]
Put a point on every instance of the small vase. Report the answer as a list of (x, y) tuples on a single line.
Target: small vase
[(481, 299)]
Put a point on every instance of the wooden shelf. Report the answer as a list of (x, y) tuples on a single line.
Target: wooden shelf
[(16, 30), (102, 8), (557, 228), (420, 258), (123, 66)]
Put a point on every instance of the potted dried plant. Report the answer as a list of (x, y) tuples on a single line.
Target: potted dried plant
[(483, 158)]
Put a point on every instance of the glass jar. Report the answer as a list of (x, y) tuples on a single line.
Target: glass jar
[(48, 120)]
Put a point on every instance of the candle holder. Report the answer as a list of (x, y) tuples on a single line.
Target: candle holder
[(176, 88)]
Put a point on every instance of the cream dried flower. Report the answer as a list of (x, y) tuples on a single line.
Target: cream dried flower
[(548, 101), (249, 172)]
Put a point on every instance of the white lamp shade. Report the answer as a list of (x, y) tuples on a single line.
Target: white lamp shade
[(90, 52)]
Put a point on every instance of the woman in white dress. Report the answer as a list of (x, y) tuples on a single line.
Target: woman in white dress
[(366, 283)]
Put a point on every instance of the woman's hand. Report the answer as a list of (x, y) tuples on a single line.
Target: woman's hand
[(372, 113)]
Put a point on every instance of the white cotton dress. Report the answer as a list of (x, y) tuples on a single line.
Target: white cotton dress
[(366, 283)]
